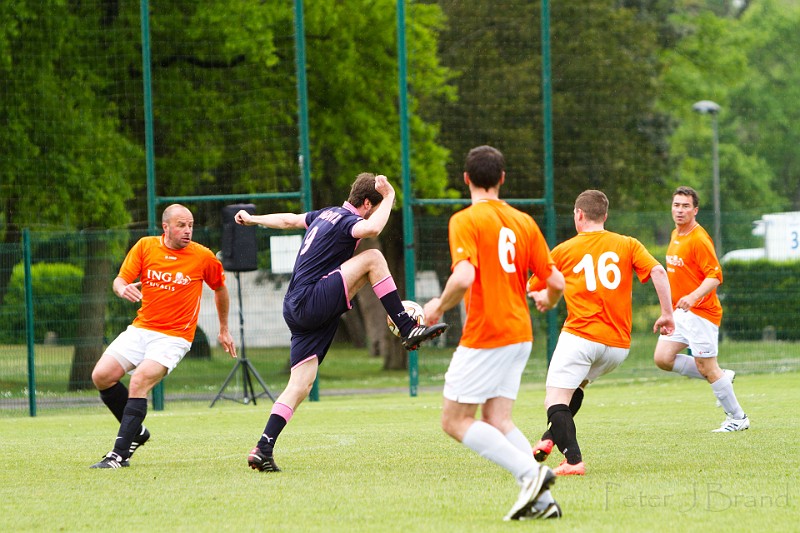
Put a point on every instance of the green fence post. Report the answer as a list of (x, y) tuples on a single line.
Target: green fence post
[(26, 254), (547, 134), (150, 166)]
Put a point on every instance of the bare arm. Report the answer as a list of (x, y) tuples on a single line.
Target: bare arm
[(687, 302), (273, 220), (127, 291), (665, 324), (372, 226), (223, 302), (457, 285), (548, 297)]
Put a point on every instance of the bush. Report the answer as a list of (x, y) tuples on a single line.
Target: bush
[(56, 301), (760, 294)]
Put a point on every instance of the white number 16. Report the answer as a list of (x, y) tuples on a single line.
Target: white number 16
[(607, 270)]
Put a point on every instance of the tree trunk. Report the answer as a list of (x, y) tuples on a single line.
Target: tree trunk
[(89, 341)]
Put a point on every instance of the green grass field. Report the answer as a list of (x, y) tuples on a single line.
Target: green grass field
[(381, 463)]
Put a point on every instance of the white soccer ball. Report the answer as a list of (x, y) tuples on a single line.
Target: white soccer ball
[(413, 309)]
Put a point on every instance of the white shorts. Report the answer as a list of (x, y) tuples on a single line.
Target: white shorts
[(134, 345), (576, 359), (479, 374), (701, 335)]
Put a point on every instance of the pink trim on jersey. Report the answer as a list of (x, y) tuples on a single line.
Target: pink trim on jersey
[(384, 287), (309, 358), (349, 207), (282, 410), (346, 293)]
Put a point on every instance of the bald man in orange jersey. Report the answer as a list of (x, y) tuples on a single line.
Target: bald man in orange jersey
[(494, 247), (171, 270), (599, 268), (694, 275)]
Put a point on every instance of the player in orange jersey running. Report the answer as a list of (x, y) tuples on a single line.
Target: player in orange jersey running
[(694, 275), (598, 267), (494, 247), (171, 270)]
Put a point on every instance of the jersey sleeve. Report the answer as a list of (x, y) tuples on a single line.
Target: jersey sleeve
[(463, 240), (706, 258), (311, 216), (132, 265), (643, 260), (213, 272)]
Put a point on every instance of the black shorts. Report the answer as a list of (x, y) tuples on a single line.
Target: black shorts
[(312, 314)]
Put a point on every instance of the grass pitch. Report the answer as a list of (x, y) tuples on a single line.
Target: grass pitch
[(381, 463)]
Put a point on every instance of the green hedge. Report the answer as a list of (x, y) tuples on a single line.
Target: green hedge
[(56, 300), (758, 295)]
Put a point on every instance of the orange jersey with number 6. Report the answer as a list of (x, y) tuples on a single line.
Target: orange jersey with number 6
[(172, 284), (598, 269), (504, 245)]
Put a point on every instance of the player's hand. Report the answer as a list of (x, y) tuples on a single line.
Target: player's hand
[(383, 186), (541, 300), (686, 302), (244, 218), (665, 325), (226, 341), (131, 292), (432, 311)]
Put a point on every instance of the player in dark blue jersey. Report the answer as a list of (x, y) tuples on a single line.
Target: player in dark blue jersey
[(326, 276)]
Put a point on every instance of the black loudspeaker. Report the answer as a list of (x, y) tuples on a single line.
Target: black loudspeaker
[(238, 242)]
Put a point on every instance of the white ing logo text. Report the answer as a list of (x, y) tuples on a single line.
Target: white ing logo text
[(674, 260), (166, 280)]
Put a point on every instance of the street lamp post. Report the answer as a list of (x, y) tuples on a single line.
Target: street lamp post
[(707, 107)]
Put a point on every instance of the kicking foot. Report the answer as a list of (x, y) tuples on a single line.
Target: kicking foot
[(421, 334)]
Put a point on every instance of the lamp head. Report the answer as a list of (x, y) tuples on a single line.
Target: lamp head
[(706, 107)]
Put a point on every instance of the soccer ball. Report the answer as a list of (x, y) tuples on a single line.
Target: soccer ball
[(413, 309)]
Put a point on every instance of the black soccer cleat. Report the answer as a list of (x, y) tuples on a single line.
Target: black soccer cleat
[(111, 460), (261, 461), (422, 333)]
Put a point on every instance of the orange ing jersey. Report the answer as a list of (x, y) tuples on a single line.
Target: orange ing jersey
[(172, 283), (598, 268), (691, 259), (504, 245)]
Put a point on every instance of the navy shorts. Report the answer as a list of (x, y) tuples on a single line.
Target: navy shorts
[(312, 314)]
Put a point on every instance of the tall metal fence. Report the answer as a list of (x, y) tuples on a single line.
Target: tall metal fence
[(75, 314)]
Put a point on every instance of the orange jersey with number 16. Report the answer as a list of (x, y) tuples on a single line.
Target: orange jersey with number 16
[(504, 245), (598, 268)]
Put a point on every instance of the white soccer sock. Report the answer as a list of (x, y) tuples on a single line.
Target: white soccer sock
[(723, 390), (519, 440), (685, 366), (489, 442)]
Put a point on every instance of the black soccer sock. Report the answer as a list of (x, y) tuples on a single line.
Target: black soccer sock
[(130, 426), (576, 401), (278, 418), (574, 407), (115, 397), (562, 426), (386, 290)]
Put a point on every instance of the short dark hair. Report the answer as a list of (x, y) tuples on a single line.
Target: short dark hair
[(594, 204), (364, 189), (485, 166), (685, 190)]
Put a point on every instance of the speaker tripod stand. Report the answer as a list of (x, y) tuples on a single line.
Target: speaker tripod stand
[(248, 370)]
